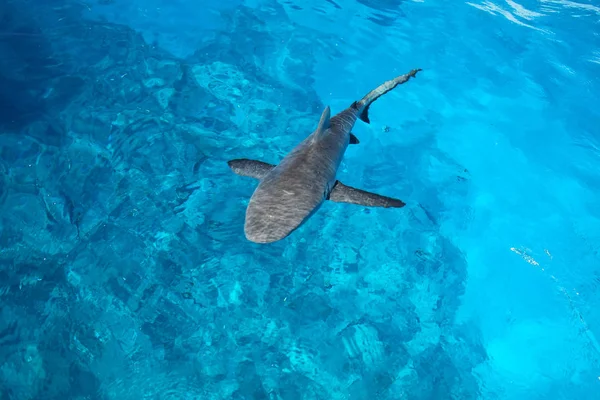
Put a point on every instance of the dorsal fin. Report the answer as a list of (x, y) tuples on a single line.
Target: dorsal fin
[(323, 122)]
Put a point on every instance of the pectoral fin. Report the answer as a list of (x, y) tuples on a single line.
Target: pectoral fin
[(353, 139), (339, 194), (251, 168), (346, 194)]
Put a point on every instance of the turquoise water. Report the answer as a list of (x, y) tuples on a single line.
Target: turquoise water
[(124, 270)]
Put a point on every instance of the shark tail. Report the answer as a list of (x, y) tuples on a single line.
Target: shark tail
[(365, 102)]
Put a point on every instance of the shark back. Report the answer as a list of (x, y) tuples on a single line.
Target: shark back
[(292, 191)]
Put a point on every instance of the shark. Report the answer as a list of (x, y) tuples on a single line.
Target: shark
[(289, 193)]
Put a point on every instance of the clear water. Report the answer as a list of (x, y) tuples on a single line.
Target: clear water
[(124, 272)]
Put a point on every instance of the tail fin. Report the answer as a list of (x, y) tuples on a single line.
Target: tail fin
[(365, 102)]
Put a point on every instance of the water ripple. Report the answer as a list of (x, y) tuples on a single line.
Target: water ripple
[(517, 11), (560, 4)]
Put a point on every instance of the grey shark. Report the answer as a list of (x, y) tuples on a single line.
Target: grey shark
[(290, 192)]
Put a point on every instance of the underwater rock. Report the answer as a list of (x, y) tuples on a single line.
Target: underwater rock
[(16, 111), (163, 96), (249, 383), (154, 82), (311, 306), (22, 374), (223, 81), (124, 195), (362, 342)]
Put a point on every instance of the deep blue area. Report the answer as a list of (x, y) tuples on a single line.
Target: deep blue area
[(124, 270)]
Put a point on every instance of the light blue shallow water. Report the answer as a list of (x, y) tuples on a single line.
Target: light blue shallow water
[(125, 273)]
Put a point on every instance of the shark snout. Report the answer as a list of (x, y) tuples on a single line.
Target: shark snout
[(266, 222), (263, 233)]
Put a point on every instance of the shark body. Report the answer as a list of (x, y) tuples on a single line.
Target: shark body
[(290, 192)]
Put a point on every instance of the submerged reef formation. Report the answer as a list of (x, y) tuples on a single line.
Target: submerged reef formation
[(123, 272)]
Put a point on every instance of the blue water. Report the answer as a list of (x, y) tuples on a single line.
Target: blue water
[(124, 270)]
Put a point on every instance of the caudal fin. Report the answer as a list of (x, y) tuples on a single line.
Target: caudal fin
[(365, 102)]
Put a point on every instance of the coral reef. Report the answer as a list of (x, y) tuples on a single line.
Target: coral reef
[(123, 270)]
